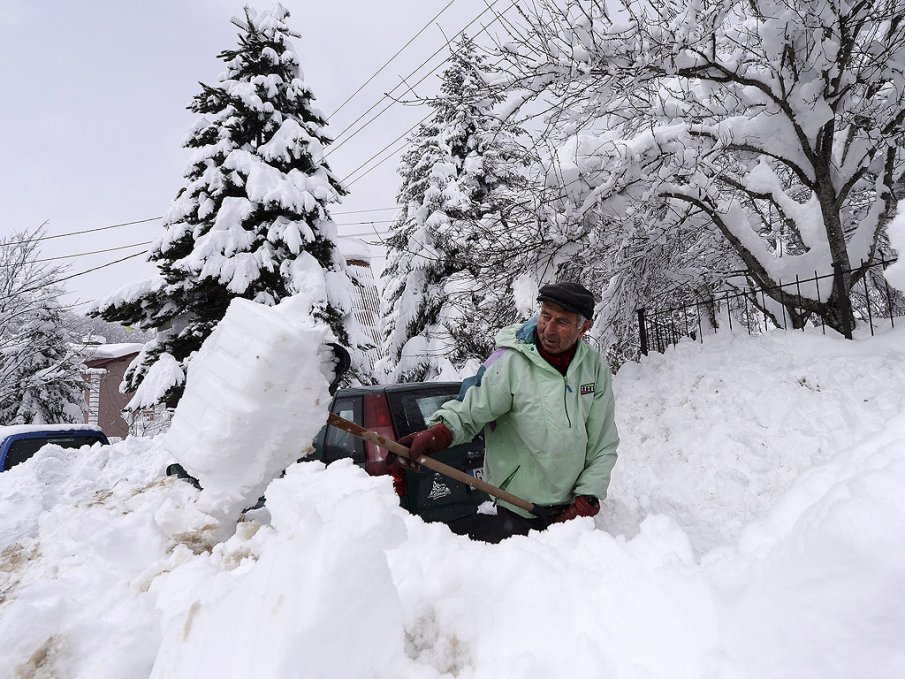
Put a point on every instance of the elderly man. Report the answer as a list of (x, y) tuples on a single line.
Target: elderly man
[(545, 402)]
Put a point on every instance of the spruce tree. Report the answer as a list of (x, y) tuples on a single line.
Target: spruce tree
[(463, 179), (41, 377), (40, 369), (251, 220)]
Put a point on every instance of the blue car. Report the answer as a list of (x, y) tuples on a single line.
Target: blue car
[(20, 442)]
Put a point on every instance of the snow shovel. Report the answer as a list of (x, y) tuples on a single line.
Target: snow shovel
[(539, 511)]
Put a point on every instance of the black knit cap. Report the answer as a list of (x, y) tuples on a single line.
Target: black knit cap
[(570, 296)]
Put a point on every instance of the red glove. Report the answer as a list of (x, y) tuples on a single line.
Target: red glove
[(426, 442), (584, 505)]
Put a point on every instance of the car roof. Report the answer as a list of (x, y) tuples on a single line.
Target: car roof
[(13, 429), (395, 388)]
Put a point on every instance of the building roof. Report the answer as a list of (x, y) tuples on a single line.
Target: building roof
[(353, 248), (107, 351)]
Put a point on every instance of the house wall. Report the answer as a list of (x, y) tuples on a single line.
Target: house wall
[(112, 402)]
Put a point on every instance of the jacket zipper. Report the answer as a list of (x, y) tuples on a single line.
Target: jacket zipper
[(565, 400)]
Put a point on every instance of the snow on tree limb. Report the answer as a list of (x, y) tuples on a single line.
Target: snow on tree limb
[(782, 123)]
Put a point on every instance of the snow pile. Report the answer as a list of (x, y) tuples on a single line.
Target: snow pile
[(817, 587), (754, 532), (715, 444), (256, 396), (294, 594), (79, 550)]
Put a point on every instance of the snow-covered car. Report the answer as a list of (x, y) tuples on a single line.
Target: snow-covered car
[(20, 442), (395, 411)]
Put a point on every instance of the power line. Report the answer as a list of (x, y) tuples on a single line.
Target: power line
[(420, 122), (376, 209), (85, 254), (379, 163), (97, 268), (95, 252), (365, 233), (373, 221), (345, 180), (388, 61), (81, 273), (77, 233), (418, 68), (141, 221)]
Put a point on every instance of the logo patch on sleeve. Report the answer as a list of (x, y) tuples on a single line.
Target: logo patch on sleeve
[(587, 388)]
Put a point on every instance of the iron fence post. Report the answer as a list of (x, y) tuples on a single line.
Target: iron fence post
[(642, 331), (845, 304)]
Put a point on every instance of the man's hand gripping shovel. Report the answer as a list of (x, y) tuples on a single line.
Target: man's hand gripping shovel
[(547, 513)]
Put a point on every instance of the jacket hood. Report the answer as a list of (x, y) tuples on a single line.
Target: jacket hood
[(520, 336)]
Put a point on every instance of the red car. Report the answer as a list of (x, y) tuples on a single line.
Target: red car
[(395, 411)]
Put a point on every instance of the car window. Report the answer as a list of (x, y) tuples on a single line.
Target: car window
[(338, 443), (412, 409), (23, 449)]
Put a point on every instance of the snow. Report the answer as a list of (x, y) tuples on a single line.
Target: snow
[(895, 273), (754, 529), (355, 248), (116, 350), (163, 375), (524, 290)]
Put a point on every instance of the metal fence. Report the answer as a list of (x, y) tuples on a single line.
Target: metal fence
[(757, 311)]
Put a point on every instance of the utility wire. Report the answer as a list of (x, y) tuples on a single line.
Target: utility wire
[(85, 254), (76, 233), (405, 79), (373, 167), (376, 209), (144, 221), (420, 122), (94, 252), (373, 221), (366, 233), (81, 273), (388, 61), (346, 179)]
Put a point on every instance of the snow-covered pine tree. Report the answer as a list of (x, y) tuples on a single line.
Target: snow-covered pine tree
[(251, 220), (463, 179), (43, 378), (40, 370)]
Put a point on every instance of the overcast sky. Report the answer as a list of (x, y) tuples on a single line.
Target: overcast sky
[(94, 109)]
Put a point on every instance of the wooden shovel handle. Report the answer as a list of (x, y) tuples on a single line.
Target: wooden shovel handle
[(429, 462)]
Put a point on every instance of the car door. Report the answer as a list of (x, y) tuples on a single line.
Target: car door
[(431, 495)]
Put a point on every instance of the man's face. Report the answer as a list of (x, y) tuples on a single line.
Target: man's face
[(558, 329)]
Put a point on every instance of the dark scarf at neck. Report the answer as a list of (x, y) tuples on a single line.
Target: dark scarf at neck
[(559, 361)]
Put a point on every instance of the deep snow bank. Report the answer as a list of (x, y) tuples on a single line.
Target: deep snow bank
[(713, 435), (772, 549)]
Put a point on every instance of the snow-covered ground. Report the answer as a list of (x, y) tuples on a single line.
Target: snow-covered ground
[(755, 529)]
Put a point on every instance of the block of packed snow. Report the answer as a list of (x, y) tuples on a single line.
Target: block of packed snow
[(256, 395)]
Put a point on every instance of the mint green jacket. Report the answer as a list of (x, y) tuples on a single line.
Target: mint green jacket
[(549, 437)]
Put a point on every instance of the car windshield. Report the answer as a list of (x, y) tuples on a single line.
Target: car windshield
[(23, 449)]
